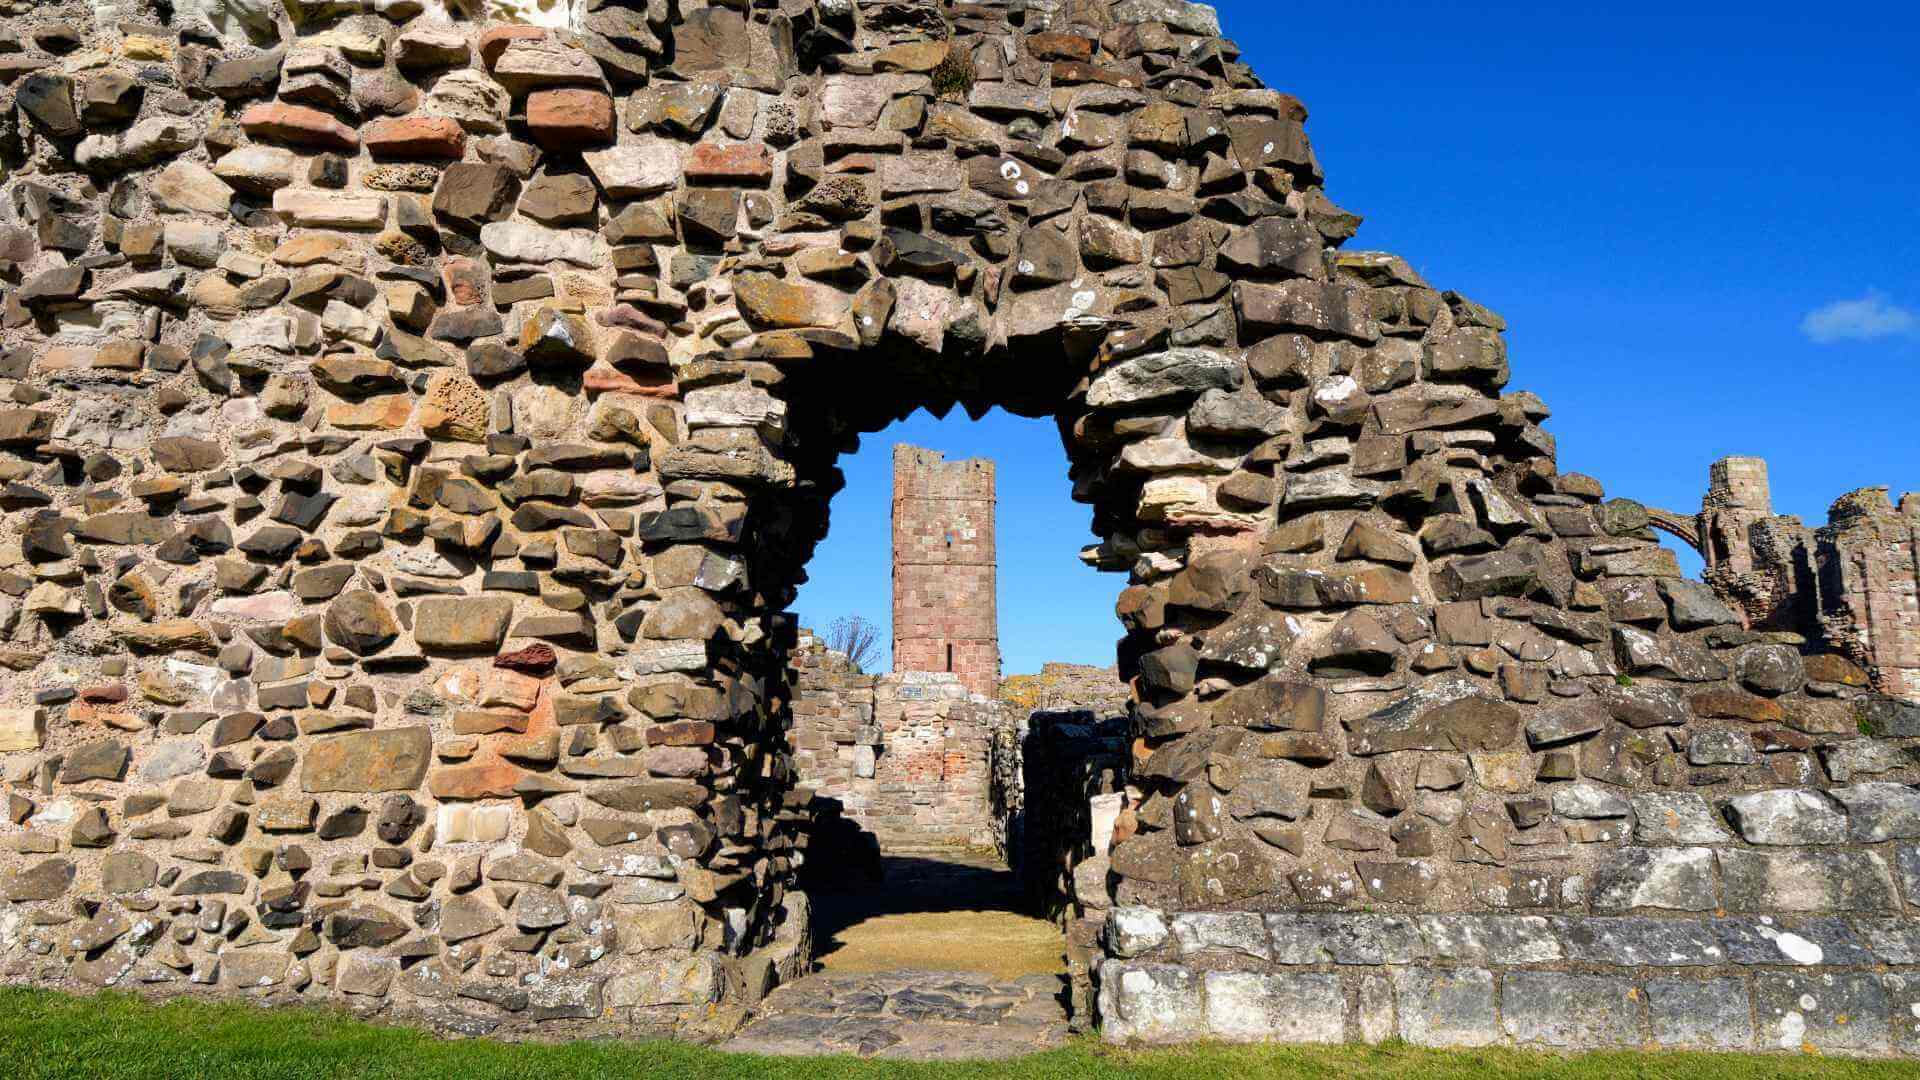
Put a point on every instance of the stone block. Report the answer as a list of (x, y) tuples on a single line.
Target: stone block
[(1491, 939), (389, 759), (1790, 881), (1640, 941), (1133, 931), (21, 729), (1150, 1003), (464, 824), (1289, 1008), (1880, 811), (1679, 879), (1828, 1011), (1788, 816), (1763, 941), (1676, 817), (1700, 1014), (1445, 1006), (1233, 933), (1560, 1009)]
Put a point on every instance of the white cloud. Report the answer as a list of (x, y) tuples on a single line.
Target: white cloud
[(1872, 317)]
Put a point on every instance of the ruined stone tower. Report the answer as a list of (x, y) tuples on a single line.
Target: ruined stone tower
[(1851, 586), (944, 615)]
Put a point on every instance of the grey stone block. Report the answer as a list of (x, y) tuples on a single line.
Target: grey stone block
[(1676, 817), (1445, 1007), (1787, 881), (1828, 1011), (1893, 941), (1149, 1003), (1374, 1014), (1890, 718), (1639, 941), (1132, 930), (1863, 757), (1906, 862), (1702, 1014), (1234, 932), (1491, 939), (1559, 1009), (1762, 940), (1679, 879), (1788, 816), (1373, 939), (1297, 939), (1302, 1007), (1880, 811), (1903, 1008)]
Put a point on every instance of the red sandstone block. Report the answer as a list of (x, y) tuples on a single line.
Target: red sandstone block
[(495, 40), (298, 125), (740, 163), (466, 280), (414, 137), (570, 117)]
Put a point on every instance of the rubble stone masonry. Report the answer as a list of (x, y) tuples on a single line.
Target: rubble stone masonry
[(418, 418), (945, 608), (906, 756), (1852, 586)]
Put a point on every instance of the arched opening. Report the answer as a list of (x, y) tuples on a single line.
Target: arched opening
[(911, 768)]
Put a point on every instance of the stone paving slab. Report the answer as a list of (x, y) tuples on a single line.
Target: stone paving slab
[(909, 1015)]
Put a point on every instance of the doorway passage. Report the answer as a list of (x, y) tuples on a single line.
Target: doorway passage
[(928, 955)]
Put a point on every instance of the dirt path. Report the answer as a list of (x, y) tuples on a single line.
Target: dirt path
[(936, 912)]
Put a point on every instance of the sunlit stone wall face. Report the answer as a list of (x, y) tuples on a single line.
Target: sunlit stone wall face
[(417, 424)]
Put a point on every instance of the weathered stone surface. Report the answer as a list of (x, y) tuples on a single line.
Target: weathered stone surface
[(1248, 1006), (360, 621), (1676, 818), (300, 435), (1790, 881), (1445, 1006), (1678, 878), (389, 759), (1442, 716), (1150, 1002), (1162, 375), (21, 729), (476, 624), (1706, 1014), (1845, 1011), (43, 880), (1787, 816), (1556, 1009)]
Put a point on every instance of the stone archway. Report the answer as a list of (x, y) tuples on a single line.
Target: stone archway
[(417, 435)]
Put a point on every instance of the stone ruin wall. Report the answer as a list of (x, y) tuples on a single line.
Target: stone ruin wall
[(907, 756), (1852, 585), (945, 562), (418, 422)]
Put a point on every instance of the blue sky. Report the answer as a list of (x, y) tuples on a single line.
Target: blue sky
[(1703, 227)]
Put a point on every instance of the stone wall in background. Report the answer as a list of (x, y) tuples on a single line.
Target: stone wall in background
[(1851, 586), (1074, 785), (417, 427), (906, 756)]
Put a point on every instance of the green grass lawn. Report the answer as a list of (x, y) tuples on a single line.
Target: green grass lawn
[(117, 1035)]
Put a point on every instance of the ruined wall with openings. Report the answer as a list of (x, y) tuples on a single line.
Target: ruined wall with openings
[(1851, 586), (417, 423)]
